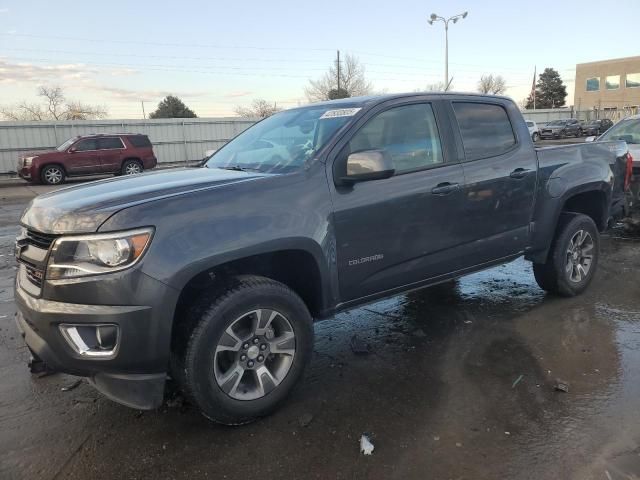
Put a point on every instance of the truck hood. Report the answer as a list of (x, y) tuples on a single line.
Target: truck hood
[(83, 208)]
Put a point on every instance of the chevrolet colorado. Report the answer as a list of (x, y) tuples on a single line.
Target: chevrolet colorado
[(213, 275)]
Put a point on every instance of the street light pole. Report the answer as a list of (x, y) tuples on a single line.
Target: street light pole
[(437, 18)]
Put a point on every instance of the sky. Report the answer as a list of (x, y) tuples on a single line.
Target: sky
[(220, 55)]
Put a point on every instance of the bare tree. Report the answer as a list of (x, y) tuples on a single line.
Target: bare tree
[(352, 81), (437, 87), (54, 97), (495, 85), (259, 108), (54, 107)]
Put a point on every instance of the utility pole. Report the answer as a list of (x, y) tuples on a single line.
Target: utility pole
[(144, 115), (338, 69)]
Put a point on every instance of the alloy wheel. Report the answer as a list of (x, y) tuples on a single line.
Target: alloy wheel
[(579, 256), (254, 354), (132, 168), (53, 175)]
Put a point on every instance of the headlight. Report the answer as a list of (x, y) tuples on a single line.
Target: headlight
[(84, 255), (27, 161)]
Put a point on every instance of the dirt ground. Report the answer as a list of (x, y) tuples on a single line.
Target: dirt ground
[(459, 384)]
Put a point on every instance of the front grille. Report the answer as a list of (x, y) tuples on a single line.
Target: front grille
[(40, 240), (35, 275)]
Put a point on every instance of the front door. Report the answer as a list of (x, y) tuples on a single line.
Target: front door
[(83, 158), (400, 230), (500, 171)]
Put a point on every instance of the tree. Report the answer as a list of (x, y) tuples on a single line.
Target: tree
[(436, 87), (259, 108), (54, 107), (172, 107), (550, 91), (352, 82), (495, 85)]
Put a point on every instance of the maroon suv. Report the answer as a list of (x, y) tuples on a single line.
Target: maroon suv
[(122, 154)]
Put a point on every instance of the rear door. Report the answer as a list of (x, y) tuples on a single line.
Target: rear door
[(83, 158), (111, 153), (500, 168), (400, 230)]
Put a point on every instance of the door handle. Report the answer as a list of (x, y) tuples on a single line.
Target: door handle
[(445, 188), (519, 173)]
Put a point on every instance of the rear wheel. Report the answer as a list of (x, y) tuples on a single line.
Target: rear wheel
[(535, 136), (245, 350), (131, 167), (52, 175), (573, 257)]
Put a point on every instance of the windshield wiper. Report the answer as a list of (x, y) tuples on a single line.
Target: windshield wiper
[(238, 168)]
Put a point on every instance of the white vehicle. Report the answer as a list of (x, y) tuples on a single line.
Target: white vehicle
[(534, 131)]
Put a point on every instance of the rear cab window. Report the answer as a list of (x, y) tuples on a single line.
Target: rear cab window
[(485, 129)]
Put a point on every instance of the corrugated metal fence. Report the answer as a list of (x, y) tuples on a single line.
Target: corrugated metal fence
[(174, 140)]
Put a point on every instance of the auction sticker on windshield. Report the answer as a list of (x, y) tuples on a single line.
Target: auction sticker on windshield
[(340, 112)]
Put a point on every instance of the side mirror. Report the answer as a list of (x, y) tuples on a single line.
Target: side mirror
[(73, 150), (368, 165), (590, 139)]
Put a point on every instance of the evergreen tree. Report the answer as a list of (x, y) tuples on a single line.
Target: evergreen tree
[(172, 107), (550, 91)]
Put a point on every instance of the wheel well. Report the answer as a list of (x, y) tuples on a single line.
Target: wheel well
[(131, 158), (50, 164), (295, 268), (593, 204)]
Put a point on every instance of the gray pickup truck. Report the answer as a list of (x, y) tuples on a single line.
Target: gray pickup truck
[(213, 275)]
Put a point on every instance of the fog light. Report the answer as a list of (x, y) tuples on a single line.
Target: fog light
[(97, 340)]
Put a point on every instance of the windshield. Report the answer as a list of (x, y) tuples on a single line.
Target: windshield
[(283, 142), (627, 130), (66, 144), (557, 122)]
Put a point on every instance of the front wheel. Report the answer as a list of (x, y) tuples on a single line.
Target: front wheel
[(245, 351), (535, 136), (573, 257), (52, 175)]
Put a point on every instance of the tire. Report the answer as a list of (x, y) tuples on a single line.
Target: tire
[(213, 342), (558, 275), (535, 137), (53, 175), (131, 167)]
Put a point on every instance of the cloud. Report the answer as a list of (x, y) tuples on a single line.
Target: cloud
[(28, 72), (137, 95), (237, 94)]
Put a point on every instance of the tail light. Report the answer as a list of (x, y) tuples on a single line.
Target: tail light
[(629, 172)]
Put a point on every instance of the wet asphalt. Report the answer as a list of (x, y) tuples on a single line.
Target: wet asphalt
[(459, 383)]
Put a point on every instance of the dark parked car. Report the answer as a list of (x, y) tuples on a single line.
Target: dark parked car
[(597, 127), (561, 128), (215, 274), (122, 154)]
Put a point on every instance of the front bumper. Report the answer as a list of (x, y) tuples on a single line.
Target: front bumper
[(135, 375), (551, 134), (24, 172)]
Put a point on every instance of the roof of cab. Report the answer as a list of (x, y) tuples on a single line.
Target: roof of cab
[(371, 99)]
